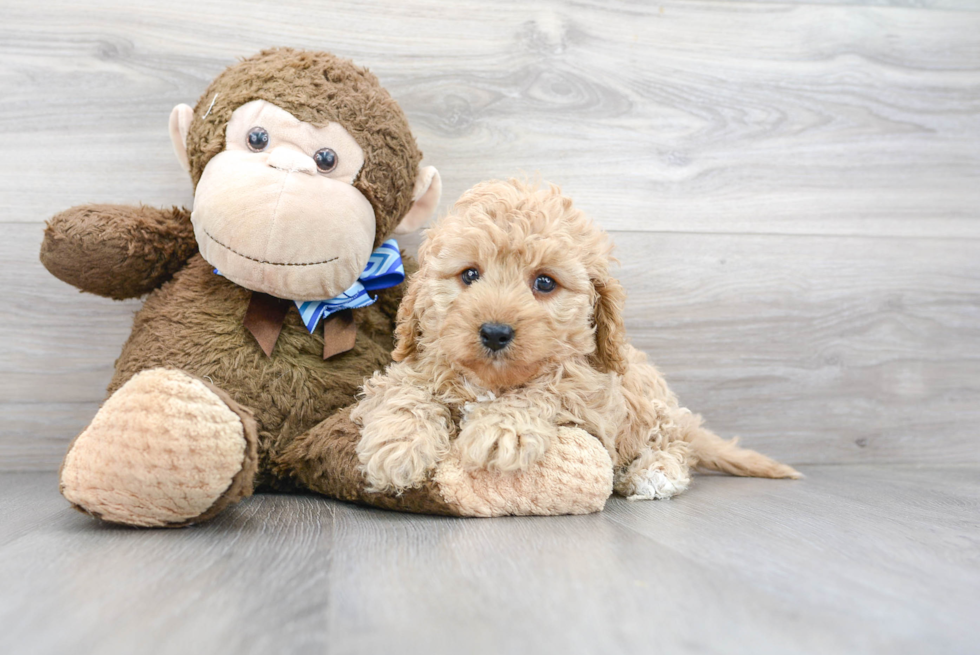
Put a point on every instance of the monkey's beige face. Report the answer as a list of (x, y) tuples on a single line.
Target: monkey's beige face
[(276, 210), (501, 303)]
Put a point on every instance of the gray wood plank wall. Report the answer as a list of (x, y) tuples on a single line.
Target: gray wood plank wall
[(794, 188)]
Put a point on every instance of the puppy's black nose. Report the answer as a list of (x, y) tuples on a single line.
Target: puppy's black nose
[(496, 336)]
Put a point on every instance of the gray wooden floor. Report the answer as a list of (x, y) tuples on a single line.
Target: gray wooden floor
[(853, 559)]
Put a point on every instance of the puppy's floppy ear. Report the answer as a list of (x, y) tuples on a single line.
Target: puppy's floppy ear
[(610, 333), (408, 327)]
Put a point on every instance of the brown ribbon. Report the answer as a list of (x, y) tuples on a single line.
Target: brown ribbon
[(339, 333), (264, 318), (265, 315)]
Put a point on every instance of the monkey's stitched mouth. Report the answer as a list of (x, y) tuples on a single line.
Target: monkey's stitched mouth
[(262, 261)]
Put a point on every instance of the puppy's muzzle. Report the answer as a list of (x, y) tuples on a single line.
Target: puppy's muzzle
[(496, 336)]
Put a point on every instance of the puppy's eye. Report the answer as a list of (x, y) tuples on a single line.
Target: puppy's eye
[(258, 139), (544, 284), (469, 276), (326, 160)]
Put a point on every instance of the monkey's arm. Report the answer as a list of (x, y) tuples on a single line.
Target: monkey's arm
[(118, 251)]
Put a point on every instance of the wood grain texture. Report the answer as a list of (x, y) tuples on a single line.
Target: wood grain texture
[(689, 116), (955, 5), (792, 185), (855, 559), (813, 349)]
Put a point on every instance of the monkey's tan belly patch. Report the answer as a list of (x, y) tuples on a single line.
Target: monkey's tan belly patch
[(160, 451), (575, 476)]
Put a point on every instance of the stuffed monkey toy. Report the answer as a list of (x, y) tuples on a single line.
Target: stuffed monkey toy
[(267, 306)]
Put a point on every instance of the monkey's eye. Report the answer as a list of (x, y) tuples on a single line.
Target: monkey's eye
[(258, 139), (469, 276), (326, 160), (544, 284)]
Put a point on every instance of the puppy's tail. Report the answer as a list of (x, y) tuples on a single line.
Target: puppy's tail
[(713, 453)]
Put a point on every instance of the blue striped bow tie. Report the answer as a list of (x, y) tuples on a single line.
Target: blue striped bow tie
[(384, 269)]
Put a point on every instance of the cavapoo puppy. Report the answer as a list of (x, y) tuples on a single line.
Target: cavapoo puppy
[(511, 328)]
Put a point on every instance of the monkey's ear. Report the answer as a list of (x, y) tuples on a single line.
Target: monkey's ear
[(180, 124), (425, 200)]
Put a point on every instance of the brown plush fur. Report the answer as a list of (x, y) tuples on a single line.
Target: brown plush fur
[(117, 251), (317, 88), (568, 363), (194, 323), (192, 319)]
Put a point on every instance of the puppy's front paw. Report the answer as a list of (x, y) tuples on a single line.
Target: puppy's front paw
[(403, 437), (398, 465), (502, 447)]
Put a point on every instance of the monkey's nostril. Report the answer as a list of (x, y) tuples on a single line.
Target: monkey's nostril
[(496, 336)]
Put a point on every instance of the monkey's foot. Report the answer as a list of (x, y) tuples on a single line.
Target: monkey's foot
[(166, 450), (573, 477)]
